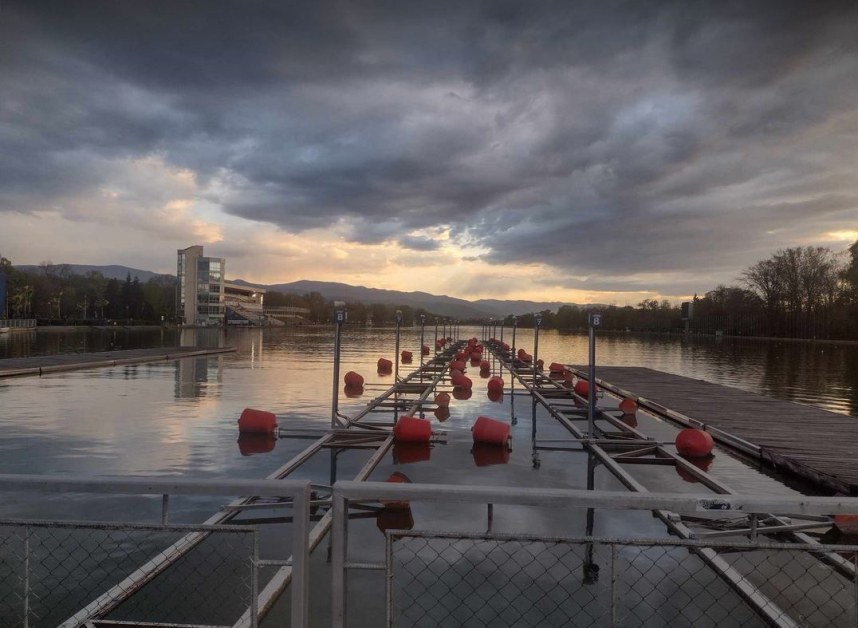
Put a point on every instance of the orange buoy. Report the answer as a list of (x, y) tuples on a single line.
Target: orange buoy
[(409, 429), (462, 381), (250, 443), (352, 391), (407, 356), (442, 399), (490, 431), (582, 388), (397, 477), (556, 367), (385, 365), (257, 422), (425, 350), (495, 383), (628, 406), (694, 443), (462, 394), (846, 524), (353, 379), (442, 413)]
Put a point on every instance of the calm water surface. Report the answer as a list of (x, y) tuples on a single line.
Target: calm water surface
[(179, 419)]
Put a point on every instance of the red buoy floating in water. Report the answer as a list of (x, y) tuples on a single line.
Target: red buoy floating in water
[(694, 443), (462, 394), (384, 365), (495, 395), (582, 388), (257, 422), (628, 406), (353, 380), (490, 431), (407, 356), (457, 365), (442, 400), (485, 365), (540, 364), (409, 429), (556, 367), (424, 350), (442, 413), (461, 381), (495, 383)]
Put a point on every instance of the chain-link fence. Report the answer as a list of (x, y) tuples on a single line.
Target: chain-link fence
[(438, 579), (51, 570)]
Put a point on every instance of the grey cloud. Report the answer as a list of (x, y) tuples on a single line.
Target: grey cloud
[(611, 140)]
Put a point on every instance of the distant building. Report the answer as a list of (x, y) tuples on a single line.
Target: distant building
[(201, 296), (206, 299)]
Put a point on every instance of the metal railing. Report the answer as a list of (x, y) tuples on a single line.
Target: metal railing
[(161, 571), (450, 577), (18, 323)]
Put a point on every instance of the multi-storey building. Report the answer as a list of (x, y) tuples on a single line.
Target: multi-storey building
[(201, 288)]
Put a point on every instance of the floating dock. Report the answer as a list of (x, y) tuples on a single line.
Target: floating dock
[(809, 442), (45, 364)]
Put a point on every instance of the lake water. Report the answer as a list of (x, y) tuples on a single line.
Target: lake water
[(179, 419)]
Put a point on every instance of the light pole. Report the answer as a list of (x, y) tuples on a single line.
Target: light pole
[(340, 317)]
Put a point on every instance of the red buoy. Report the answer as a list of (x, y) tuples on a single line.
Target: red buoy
[(582, 388), (407, 356), (490, 431), (425, 350), (461, 381), (485, 366), (353, 380), (257, 422), (556, 367), (462, 394), (385, 365), (442, 413), (409, 429), (540, 364), (495, 383), (495, 395), (397, 477), (442, 399), (694, 443), (628, 406), (457, 365)]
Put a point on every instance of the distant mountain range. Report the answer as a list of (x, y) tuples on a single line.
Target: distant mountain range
[(437, 304)]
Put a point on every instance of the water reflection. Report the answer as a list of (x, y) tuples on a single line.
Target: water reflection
[(193, 376)]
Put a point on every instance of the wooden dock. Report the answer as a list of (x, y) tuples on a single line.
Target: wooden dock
[(812, 443), (45, 364)]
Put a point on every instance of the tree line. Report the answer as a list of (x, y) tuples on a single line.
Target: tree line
[(800, 292), (55, 295)]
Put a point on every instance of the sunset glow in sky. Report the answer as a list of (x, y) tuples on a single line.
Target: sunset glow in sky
[(572, 151)]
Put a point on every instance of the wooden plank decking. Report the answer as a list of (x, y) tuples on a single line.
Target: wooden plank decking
[(44, 364), (813, 443)]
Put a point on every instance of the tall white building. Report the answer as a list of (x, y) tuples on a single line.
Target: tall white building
[(201, 292)]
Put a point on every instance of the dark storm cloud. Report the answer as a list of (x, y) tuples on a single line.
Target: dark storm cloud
[(614, 140)]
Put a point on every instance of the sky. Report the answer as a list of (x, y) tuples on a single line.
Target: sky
[(574, 151)]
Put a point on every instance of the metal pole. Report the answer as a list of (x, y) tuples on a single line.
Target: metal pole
[(396, 357), (514, 324), (301, 557), (537, 323), (594, 321), (339, 534), (436, 335), (27, 577), (422, 331), (503, 324), (339, 319)]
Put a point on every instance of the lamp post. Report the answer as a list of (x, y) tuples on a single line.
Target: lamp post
[(340, 317)]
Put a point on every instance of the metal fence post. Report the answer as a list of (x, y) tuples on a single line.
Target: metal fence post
[(615, 596), (339, 318), (398, 318), (339, 540), (254, 581), (301, 556), (26, 577), (595, 320)]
